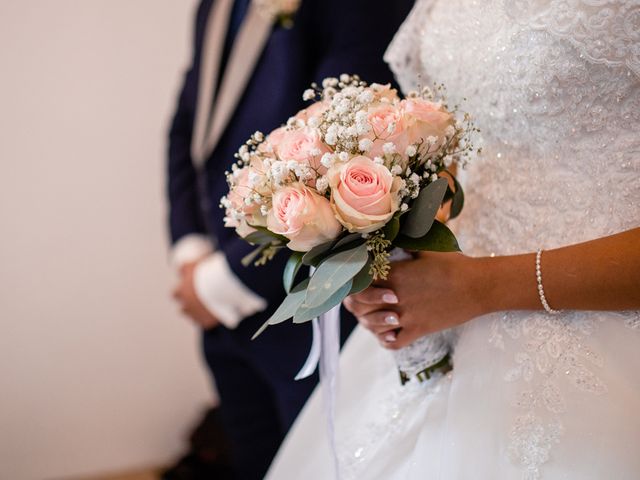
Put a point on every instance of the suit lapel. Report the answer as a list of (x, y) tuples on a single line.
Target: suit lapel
[(213, 45), (247, 48)]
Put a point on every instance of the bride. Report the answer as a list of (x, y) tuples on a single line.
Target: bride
[(544, 304)]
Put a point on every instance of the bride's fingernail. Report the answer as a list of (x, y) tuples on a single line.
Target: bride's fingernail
[(389, 297), (391, 320), (390, 337)]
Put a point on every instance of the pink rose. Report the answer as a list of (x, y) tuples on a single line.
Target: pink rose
[(314, 110), (303, 216), (388, 125), (384, 91), (364, 194), (303, 146), (426, 119), (250, 214), (272, 141)]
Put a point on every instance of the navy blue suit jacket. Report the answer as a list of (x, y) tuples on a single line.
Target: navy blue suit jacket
[(329, 37)]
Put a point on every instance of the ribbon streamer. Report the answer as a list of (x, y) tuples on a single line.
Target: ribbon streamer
[(325, 352)]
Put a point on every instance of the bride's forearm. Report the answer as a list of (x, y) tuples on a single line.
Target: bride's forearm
[(602, 274)]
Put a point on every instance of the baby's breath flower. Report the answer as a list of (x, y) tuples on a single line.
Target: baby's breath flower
[(449, 131), (343, 156), (396, 170), (329, 82), (365, 144), (254, 178), (389, 148), (327, 160), (361, 117), (322, 184), (411, 151), (329, 92), (378, 160), (365, 97), (404, 207), (309, 94), (279, 171)]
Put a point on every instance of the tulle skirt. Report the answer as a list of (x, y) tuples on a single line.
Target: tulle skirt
[(530, 396)]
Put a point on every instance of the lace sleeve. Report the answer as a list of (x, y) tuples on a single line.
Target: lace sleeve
[(403, 54), (604, 32)]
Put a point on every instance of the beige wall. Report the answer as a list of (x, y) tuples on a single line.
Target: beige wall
[(97, 370)]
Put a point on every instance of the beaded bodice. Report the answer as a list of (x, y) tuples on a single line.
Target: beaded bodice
[(554, 85)]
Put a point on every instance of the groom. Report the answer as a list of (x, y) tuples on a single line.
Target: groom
[(251, 63)]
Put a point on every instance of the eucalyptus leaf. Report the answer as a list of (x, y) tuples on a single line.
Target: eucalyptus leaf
[(259, 238), (269, 233), (249, 259), (291, 270), (458, 198), (392, 228), (316, 254), (306, 312), (438, 239), (333, 273), (363, 279), (348, 240), (287, 308), (423, 212)]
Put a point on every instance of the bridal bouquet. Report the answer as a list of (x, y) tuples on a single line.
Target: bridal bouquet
[(355, 175)]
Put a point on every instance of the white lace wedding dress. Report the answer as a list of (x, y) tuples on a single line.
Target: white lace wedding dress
[(555, 87)]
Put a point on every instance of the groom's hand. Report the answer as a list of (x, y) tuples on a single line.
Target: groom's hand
[(433, 292), (185, 294)]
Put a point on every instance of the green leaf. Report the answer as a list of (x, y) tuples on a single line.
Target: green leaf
[(333, 273), (287, 308), (315, 255), (425, 207), (249, 259), (306, 312), (348, 240), (438, 239), (458, 198), (291, 270), (363, 279), (392, 228), (263, 235)]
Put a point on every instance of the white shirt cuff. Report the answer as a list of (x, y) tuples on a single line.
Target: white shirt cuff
[(223, 293), (190, 248)]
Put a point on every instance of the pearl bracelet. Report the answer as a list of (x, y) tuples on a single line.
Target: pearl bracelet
[(543, 299)]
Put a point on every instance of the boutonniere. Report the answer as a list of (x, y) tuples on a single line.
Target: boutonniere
[(280, 11)]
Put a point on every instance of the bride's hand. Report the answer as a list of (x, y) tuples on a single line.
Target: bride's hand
[(441, 290), (430, 293)]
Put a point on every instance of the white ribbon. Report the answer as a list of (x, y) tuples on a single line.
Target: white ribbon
[(325, 351), (314, 354)]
